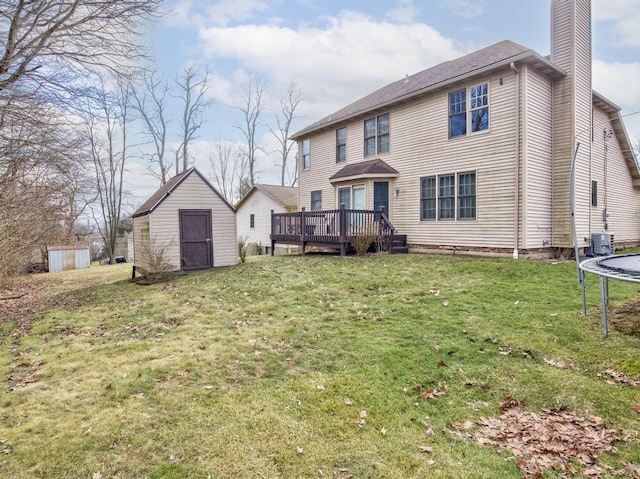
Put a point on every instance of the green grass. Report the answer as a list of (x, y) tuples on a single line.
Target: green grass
[(263, 370)]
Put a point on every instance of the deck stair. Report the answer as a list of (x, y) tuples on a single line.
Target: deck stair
[(398, 244)]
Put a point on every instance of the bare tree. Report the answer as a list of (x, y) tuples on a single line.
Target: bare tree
[(107, 122), (151, 103), (41, 37), (228, 167), (38, 149), (193, 89), (252, 105), (288, 106)]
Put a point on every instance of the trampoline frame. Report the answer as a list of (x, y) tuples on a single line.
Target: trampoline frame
[(593, 265)]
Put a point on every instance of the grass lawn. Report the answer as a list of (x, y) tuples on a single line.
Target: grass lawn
[(317, 367)]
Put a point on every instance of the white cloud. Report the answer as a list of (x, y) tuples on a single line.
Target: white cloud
[(227, 11), (612, 81), (335, 65), (405, 12), (464, 8), (623, 17)]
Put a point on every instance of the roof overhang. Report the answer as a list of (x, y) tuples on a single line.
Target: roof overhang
[(620, 131), (529, 57)]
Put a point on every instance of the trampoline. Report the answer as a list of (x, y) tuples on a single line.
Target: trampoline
[(624, 267)]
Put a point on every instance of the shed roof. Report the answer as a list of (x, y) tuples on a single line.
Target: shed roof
[(492, 57), (165, 190), (287, 196)]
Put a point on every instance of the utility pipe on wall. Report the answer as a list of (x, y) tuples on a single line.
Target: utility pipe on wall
[(516, 226)]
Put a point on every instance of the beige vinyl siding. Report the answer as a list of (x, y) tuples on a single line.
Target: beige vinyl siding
[(420, 146), (141, 243), (260, 205), (584, 109), (622, 198), (195, 194), (536, 152), (571, 51), (562, 40)]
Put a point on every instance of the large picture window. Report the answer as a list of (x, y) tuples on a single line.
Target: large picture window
[(376, 135), (341, 145), (448, 197), (469, 110)]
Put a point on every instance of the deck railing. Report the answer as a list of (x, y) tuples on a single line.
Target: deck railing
[(328, 227)]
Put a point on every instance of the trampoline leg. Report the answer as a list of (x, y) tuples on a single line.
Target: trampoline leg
[(604, 292), (584, 296)]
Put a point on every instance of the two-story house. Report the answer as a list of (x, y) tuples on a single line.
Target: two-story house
[(476, 153)]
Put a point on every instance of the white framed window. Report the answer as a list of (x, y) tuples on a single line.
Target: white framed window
[(316, 200), (306, 154), (469, 110), (376, 135), (341, 145), (448, 197), (353, 197)]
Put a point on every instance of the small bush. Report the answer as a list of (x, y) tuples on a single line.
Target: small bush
[(243, 248), (361, 243), (155, 260)]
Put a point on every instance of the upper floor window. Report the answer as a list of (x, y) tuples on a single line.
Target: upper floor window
[(341, 145), (472, 115), (448, 197), (376, 135), (252, 220), (316, 200), (306, 154)]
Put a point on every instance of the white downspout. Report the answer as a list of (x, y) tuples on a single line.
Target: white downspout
[(516, 225)]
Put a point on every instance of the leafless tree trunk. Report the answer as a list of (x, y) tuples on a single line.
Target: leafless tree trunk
[(288, 107), (252, 105), (150, 102), (193, 89), (228, 167), (107, 124)]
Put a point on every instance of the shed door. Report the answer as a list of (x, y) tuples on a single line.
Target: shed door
[(196, 249)]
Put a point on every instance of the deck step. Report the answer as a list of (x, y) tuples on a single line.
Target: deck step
[(398, 245)]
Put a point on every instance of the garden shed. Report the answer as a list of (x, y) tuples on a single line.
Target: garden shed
[(186, 225), (64, 258)]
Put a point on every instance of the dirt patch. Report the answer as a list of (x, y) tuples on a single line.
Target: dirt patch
[(625, 318)]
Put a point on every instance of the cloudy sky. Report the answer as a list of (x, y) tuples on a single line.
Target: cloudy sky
[(338, 51)]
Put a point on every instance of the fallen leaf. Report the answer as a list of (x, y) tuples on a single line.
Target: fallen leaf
[(363, 414), (348, 402), (426, 449), (96, 475), (636, 408), (321, 387), (299, 450), (383, 431)]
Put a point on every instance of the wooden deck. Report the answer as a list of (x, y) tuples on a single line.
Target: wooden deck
[(337, 229)]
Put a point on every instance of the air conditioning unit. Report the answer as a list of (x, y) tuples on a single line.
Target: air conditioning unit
[(602, 244)]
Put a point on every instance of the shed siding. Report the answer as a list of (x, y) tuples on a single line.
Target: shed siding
[(260, 205), (194, 194), (537, 159), (141, 242), (68, 258)]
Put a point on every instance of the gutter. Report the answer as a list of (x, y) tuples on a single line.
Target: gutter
[(526, 56), (516, 225)]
